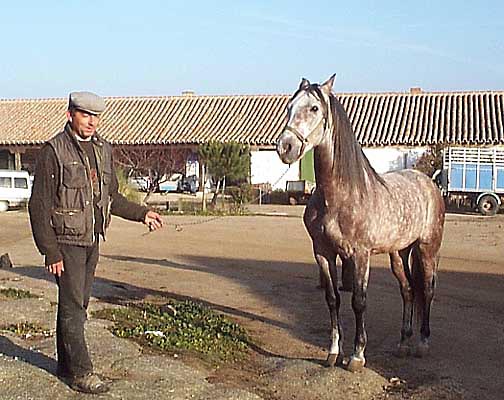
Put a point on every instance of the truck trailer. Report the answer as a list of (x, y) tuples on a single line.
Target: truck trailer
[(473, 175)]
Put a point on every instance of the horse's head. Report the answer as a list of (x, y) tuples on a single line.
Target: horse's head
[(307, 116)]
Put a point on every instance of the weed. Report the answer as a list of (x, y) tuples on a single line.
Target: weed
[(179, 325), (13, 293), (27, 330)]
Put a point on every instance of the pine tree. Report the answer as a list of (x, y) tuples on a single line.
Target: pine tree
[(225, 161)]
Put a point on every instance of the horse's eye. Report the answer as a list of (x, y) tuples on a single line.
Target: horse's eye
[(314, 109)]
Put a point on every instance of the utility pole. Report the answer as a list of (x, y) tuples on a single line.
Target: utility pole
[(203, 182)]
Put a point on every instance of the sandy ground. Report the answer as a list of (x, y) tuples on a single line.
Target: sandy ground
[(260, 271)]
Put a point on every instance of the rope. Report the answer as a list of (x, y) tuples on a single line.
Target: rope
[(180, 227)]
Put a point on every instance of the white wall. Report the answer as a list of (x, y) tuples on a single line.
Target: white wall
[(266, 167), (386, 159)]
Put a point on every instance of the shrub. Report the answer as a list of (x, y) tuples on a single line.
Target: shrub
[(126, 188), (431, 160), (240, 195)]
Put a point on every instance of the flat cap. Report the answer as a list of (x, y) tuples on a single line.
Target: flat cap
[(86, 101)]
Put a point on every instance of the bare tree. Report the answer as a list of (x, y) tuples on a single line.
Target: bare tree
[(156, 164)]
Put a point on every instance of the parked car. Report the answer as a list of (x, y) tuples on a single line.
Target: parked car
[(175, 183), (188, 184), (15, 189), (171, 184), (299, 192), (141, 183)]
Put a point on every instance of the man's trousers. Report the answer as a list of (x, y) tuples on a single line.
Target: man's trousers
[(74, 290)]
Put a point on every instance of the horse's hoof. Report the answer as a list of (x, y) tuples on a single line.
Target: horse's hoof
[(422, 350), (334, 359), (403, 351), (356, 364)]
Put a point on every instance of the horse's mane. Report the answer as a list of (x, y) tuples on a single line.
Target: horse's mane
[(350, 164)]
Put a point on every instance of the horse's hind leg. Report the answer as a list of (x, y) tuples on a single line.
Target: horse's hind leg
[(327, 264), (424, 277), (399, 262)]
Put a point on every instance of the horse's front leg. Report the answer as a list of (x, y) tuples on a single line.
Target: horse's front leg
[(327, 264), (361, 276), (347, 274), (399, 262)]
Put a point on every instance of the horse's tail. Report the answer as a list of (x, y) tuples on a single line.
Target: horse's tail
[(417, 284)]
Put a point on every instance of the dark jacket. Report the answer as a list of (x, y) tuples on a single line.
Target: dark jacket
[(62, 208), (73, 214)]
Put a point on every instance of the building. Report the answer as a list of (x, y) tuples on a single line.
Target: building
[(393, 128)]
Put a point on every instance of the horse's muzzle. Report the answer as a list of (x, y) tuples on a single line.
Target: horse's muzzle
[(288, 147)]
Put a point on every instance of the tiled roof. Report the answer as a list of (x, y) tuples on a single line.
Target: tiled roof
[(379, 119), (426, 118)]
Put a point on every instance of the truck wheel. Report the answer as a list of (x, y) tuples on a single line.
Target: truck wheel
[(4, 206), (488, 205), (292, 200)]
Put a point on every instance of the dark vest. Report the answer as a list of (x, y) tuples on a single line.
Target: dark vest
[(73, 212)]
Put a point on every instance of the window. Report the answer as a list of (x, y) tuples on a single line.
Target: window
[(457, 172), (486, 177), (5, 182), (470, 176), (500, 178), (20, 183)]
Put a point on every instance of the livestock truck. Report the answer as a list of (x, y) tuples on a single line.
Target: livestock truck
[(473, 176)]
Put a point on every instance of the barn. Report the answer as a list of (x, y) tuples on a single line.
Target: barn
[(393, 128)]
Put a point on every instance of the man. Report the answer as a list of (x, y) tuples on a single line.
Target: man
[(75, 191)]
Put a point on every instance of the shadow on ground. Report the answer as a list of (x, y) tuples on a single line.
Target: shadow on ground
[(37, 359), (291, 287)]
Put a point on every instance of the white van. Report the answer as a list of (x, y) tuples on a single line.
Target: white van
[(15, 189)]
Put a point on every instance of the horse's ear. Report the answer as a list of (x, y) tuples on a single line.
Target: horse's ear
[(328, 85), (305, 84)]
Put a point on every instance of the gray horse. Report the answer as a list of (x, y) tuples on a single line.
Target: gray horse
[(355, 212)]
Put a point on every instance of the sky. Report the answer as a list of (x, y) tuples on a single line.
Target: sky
[(161, 48)]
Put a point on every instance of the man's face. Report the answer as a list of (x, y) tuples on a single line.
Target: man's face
[(83, 123)]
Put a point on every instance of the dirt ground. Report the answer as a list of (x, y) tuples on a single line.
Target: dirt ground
[(260, 271)]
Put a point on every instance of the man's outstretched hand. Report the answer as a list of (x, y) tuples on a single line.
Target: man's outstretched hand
[(153, 220)]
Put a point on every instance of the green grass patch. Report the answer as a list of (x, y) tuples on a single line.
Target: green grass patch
[(27, 330), (217, 212), (13, 293), (179, 326)]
